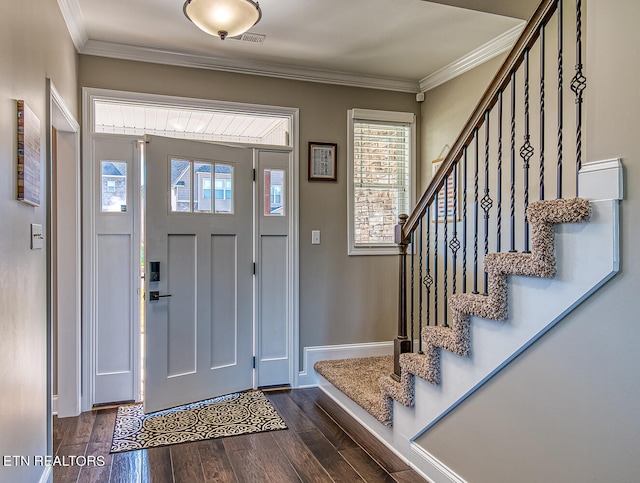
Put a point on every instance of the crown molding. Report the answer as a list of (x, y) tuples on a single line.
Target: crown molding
[(75, 22), (75, 25), (485, 52), (145, 54)]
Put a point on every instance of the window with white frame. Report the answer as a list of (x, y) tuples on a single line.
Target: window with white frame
[(381, 158)]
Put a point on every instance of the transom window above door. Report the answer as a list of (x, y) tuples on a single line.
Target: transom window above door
[(199, 187), (204, 124)]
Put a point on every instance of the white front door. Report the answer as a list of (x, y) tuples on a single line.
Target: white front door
[(198, 271)]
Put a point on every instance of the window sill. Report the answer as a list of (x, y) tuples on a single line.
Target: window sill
[(390, 250)]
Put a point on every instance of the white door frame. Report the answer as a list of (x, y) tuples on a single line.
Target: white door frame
[(63, 250), (89, 95)]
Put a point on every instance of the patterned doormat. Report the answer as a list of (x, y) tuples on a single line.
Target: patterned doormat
[(240, 413)]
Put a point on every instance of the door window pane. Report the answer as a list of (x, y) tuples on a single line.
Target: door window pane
[(180, 185), (202, 191), (274, 192), (212, 189), (223, 185), (113, 186)]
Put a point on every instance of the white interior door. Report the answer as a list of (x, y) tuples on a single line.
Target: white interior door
[(199, 229)]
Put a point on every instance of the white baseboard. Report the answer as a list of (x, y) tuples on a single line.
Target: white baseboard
[(427, 464), (54, 405), (47, 475), (308, 377), (430, 471)]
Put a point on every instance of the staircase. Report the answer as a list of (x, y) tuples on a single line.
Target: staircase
[(455, 338), (586, 257), (466, 311)]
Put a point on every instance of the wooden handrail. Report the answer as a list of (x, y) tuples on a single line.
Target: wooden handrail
[(526, 40)]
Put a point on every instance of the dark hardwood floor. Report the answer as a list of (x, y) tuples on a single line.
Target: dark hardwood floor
[(316, 448)]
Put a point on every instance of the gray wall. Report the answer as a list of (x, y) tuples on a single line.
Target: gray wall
[(342, 299), (566, 409), (447, 108), (35, 45)]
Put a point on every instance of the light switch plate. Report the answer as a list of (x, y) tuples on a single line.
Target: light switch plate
[(315, 237), (37, 239)]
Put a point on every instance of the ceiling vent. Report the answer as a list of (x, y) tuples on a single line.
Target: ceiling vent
[(249, 37)]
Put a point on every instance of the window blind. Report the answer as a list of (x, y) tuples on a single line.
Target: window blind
[(382, 157)]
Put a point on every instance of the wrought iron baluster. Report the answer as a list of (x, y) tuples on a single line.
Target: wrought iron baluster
[(435, 260), (421, 228), (454, 244), (512, 227), (542, 94), (499, 187), (445, 258), (560, 101), (413, 273), (428, 279), (526, 151), (486, 202), (464, 223), (578, 85), (475, 214)]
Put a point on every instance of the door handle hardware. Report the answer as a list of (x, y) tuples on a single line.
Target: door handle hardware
[(155, 295)]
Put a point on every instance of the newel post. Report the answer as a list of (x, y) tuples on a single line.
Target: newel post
[(402, 343)]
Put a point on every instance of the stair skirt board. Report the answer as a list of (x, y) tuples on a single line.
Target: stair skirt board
[(593, 244)]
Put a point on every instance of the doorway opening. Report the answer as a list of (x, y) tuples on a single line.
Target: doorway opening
[(63, 259), (114, 198)]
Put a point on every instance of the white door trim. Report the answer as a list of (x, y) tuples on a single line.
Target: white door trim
[(88, 136), (68, 333)]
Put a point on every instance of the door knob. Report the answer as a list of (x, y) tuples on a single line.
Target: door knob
[(155, 295)]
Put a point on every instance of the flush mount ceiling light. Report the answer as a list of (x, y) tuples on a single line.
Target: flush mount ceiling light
[(224, 18)]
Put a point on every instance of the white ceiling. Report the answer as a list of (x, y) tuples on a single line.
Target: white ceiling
[(391, 44)]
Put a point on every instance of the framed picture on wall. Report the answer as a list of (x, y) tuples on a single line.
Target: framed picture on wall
[(448, 203), (29, 163), (322, 161)]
